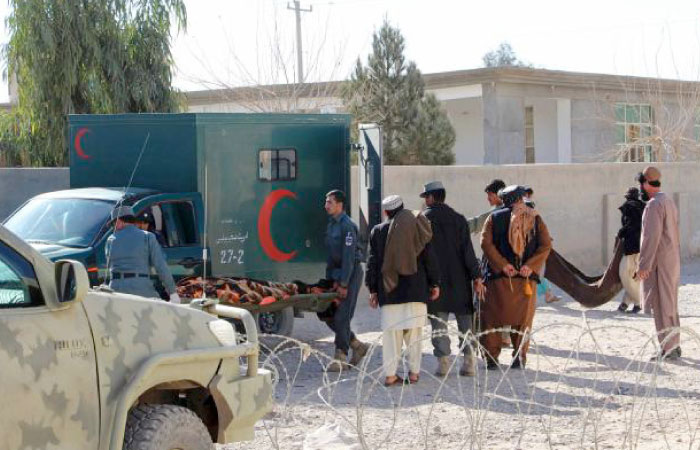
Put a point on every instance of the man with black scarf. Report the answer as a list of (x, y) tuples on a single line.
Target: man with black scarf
[(459, 267), (630, 234)]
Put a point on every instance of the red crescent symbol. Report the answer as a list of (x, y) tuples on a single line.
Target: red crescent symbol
[(264, 225), (78, 147)]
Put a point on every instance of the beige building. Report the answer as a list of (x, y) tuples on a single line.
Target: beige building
[(512, 115)]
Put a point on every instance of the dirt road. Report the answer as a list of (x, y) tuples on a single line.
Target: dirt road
[(588, 384)]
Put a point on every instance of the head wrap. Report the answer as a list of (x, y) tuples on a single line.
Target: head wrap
[(511, 194), (391, 202), (632, 194)]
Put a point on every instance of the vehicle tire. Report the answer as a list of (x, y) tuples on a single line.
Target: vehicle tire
[(278, 322), (165, 427)]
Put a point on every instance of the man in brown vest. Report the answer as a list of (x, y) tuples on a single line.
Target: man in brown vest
[(516, 244)]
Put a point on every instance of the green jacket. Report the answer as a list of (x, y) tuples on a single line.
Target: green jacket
[(476, 223)]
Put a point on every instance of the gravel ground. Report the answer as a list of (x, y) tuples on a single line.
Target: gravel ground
[(588, 384)]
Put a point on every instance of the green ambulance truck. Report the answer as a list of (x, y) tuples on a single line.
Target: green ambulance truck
[(229, 194)]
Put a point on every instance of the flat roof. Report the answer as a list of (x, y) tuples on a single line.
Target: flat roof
[(521, 75)]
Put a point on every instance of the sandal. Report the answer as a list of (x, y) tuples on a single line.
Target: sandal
[(397, 381), (411, 379), (552, 298)]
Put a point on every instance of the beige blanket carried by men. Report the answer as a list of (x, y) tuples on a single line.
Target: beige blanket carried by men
[(408, 233)]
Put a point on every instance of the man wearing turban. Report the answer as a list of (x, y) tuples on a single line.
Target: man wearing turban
[(516, 244)]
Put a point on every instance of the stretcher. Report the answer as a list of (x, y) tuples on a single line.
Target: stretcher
[(257, 296), (590, 291)]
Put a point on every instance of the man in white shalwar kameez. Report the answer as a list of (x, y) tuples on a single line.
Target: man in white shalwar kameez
[(660, 262), (402, 275)]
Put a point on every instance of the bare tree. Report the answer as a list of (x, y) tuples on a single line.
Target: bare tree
[(271, 84), (648, 119)]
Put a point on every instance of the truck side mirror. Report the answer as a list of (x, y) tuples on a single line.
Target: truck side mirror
[(71, 281)]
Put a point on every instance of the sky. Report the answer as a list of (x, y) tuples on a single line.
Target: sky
[(238, 42)]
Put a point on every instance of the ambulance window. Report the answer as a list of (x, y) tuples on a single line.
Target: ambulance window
[(277, 164), (18, 284)]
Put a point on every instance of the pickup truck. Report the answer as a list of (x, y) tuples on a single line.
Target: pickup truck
[(86, 369)]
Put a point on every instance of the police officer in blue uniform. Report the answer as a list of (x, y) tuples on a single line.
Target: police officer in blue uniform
[(130, 254), (344, 269)]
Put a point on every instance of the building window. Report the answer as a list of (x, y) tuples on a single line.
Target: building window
[(277, 164), (633, 125), (529, 135)]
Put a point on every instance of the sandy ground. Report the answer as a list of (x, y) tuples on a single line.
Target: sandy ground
[(588, 384)]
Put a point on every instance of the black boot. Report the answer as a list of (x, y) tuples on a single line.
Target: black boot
[(673, 354), (622, 307), (635, 309), (491, 364)]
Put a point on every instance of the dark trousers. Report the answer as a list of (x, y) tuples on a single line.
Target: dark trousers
[(340, 324), (440, 339)]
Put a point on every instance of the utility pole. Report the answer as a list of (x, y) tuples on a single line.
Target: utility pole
[(300, 64)]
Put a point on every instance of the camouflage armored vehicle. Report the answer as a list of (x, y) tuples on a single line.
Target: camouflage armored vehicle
[(87, 369)]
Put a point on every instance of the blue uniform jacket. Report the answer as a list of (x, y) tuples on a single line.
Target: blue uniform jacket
[(132, 250), (344, 250)]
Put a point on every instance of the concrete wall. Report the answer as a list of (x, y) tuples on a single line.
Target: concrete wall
[(18, 185), (563, 130), (577, 201), (545, 122), (592, 132), (468, 120), (504, 127)]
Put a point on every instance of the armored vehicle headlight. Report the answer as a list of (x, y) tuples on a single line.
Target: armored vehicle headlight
[(223, 331)]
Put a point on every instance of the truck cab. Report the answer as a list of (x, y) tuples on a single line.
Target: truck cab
[(75, 224)]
